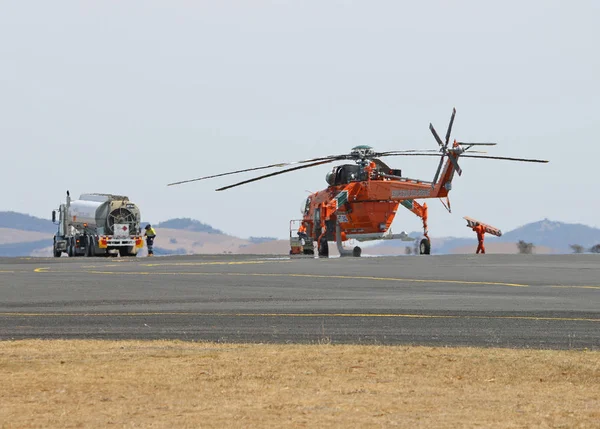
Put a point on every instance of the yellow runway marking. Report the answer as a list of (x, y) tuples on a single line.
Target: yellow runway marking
[(111, 265), (177, 264), (3, 271), (576, 287), (304, 315), (100, 271), (166, 264), (392, 279), (397, 279)]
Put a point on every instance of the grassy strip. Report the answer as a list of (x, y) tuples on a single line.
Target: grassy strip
[(185, 384)]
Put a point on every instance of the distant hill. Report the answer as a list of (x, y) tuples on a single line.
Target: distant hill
[(188, 224), (9, 235), (26, 222), (556, 235), (549, 236)]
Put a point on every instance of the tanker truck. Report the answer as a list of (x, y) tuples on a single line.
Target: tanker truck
[(97, 225)]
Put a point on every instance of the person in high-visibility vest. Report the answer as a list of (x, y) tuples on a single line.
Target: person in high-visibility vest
[(150, 234), (480, 230), (302, 233)]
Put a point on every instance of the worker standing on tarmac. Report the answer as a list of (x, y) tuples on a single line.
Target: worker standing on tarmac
[(302, 233), (480, 230), (150, 234)]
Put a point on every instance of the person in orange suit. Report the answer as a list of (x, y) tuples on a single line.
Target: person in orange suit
[(302, 233), (480, 230)]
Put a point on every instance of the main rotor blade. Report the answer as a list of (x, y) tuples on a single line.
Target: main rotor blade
[(439, 140), (394, 152), (420, 153), (280, 164), (437, 172), (277, 173), (476, 156), (505, 158), (450, 126), (476, 144), (427, 152)]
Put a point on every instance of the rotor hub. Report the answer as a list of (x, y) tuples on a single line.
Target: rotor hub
[(362, 152)]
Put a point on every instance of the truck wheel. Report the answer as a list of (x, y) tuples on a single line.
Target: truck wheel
[(75, 250), (356, 252), (74, 247), (55, 252), (92, 247), (89, 246), (425, 247)]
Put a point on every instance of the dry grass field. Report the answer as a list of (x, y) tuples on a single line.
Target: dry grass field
[(156, 384)]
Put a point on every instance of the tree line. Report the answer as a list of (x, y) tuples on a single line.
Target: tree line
[(525, 248), (577, 248)]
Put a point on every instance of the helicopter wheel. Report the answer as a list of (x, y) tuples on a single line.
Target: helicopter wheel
[(324, 248), (356, 252), (425, 247)]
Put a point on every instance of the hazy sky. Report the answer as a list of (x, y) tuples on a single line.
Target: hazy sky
[(126, 96)]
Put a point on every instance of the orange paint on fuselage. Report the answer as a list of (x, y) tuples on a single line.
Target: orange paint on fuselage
[(369, 207), (360, 214)]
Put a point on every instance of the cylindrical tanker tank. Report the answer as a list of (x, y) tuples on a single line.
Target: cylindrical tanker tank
[(86, 212), (104, 211)]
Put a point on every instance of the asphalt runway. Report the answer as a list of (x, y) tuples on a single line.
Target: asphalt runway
[(517, 301)]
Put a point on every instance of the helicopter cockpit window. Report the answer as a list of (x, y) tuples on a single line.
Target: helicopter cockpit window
[(348, 173), (343, 174), (330, 177)]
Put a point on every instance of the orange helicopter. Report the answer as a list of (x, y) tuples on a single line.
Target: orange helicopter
[(361, 199)]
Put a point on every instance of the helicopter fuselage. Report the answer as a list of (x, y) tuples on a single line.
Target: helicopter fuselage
[(362, 201)]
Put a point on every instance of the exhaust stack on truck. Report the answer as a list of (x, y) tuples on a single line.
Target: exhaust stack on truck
[(97, 225)]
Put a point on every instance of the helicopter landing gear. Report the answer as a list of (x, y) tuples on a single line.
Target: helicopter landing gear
[(425, 247), (356, 251), (421, 211)]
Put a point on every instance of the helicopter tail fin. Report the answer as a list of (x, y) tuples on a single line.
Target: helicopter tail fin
[(443, 178)]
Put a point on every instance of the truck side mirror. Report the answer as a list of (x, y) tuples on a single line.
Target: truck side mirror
[(53, 216)]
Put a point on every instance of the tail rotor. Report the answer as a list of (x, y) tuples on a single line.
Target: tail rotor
[(444, 148)]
